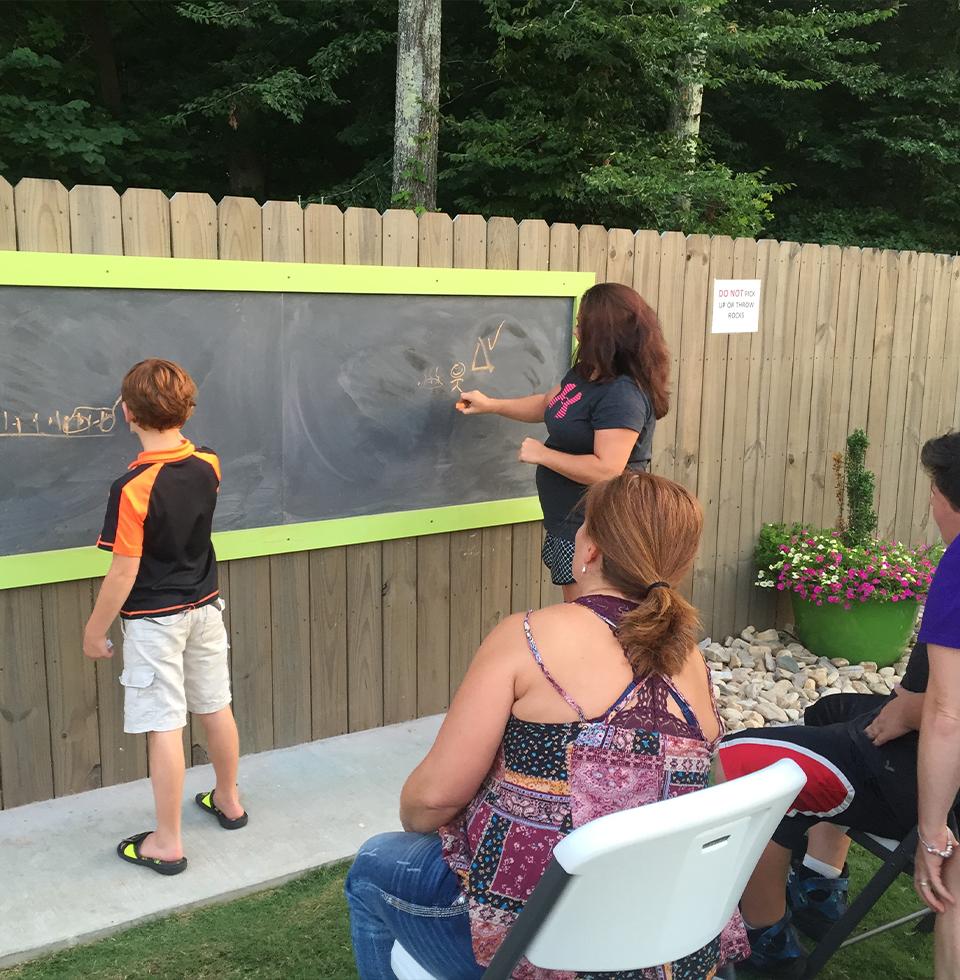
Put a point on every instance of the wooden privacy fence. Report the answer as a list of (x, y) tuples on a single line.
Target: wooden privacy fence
[(350, 638)]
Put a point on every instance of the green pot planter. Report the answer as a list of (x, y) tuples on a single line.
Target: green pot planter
[(875, 631)]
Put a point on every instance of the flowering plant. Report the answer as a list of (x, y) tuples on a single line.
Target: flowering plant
[(820, 566), (847, 564)]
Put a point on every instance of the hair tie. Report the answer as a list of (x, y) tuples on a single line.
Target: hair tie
[(656, 585)]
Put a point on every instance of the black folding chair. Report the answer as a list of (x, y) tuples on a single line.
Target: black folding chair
[(897, 859)]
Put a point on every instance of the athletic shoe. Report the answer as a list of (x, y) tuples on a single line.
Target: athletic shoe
[(817, 903), (776, 950)]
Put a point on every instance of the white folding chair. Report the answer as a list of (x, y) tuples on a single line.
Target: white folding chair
[(646, 886)]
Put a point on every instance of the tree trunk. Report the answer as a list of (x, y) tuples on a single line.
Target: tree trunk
[(685, 112), (417, 104), (684, 122), (246, 174), (101, 42)]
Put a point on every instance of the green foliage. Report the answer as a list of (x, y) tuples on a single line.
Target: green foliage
[(830, 122), (861, 519), (768, 551), (226, 96), (301, 930), (874, 158), (574, 126), (256, 78), (48, 112)]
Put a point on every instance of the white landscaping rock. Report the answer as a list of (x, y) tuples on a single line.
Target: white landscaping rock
[(764, 677), (771, 712)]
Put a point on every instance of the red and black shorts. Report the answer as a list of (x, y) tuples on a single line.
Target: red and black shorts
[(850, 781)]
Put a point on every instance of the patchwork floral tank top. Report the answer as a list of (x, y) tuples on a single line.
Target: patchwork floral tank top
[(548, 779)]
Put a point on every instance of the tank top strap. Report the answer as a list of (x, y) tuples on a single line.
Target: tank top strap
[(688, 716), (532, 644), (629, 691), (714, 705)]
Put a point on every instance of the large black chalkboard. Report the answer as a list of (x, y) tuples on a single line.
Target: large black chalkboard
[(321, 405)]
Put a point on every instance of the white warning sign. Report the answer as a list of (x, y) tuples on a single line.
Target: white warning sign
[(736, 306)]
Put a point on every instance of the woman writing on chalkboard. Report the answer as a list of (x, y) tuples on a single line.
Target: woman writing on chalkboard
[(600, 418)]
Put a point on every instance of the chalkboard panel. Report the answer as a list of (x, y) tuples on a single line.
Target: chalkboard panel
[(322, 405)]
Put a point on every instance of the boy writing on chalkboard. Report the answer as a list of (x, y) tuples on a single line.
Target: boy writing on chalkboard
[(163, 584)]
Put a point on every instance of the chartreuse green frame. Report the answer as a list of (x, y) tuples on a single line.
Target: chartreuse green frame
[(135, 272)]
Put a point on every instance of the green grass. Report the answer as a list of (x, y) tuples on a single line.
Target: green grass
[(300, 931)]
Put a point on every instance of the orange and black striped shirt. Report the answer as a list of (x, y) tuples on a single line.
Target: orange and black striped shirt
[(161, 511)]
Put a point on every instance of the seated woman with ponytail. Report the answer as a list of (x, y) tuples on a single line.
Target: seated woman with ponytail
[(566, 714)]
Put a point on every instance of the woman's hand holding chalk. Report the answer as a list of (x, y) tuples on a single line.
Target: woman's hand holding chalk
[(474, 403)]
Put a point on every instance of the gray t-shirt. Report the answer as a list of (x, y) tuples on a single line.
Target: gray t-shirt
[(572, 417)]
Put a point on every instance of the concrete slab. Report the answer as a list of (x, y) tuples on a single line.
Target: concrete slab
[(61, 882)]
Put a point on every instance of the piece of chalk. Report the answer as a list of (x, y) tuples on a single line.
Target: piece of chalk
[(461, 404)]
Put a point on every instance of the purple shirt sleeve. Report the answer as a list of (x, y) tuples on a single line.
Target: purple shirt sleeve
[(941, 614)]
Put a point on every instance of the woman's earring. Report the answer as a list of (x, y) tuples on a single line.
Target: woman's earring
[(583, 571)]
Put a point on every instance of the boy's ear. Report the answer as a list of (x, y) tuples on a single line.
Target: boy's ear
[(127, 416)]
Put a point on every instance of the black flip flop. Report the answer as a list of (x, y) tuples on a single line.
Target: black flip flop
[(205, 802), (129, 850)]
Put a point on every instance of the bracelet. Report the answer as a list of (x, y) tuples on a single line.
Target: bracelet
[(930, 849)]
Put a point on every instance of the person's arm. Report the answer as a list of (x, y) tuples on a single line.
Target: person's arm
[(466, 745), (527, 409), (898, 716), (611, 451), (113, 593), (939, 770)]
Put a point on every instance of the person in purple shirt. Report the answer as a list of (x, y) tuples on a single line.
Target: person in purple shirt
[(860, 754), (937, 868)]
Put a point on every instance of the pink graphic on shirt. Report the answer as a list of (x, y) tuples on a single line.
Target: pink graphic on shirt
[(563, 396)]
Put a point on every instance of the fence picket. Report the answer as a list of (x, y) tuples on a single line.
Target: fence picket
[(730, 502), (323, 234), (42, 210), (193, 226), (8, 218), (95, 224), (711, 426)]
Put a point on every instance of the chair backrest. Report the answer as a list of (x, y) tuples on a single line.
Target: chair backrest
[(658, 882)]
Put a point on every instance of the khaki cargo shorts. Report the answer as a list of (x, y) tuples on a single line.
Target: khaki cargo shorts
[(174, 664)]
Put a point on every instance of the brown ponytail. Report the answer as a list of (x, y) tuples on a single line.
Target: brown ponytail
[(648, 530)]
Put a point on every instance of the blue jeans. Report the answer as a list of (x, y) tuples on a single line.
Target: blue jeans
[(401, 888)]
